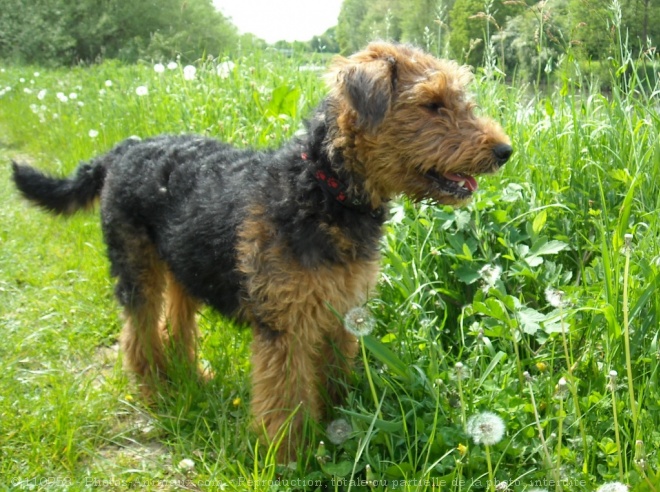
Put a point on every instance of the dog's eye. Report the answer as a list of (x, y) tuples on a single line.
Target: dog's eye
[(434, 107)]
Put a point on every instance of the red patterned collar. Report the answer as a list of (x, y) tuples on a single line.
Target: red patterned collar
[(333, 185)]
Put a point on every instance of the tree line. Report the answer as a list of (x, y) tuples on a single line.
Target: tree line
[(61, 32), (520, 35), (527, 36)]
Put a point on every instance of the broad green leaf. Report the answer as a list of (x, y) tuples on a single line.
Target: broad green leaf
[(530, 320), (549, 248), (539, 221)]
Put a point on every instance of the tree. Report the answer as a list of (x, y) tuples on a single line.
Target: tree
[(65, 32), (473, 23), (351, 15), (326, 42)]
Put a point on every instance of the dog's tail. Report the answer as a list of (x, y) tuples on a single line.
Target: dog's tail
[(67, 195)]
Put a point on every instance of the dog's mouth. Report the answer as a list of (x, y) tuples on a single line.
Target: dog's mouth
[(460, 185)]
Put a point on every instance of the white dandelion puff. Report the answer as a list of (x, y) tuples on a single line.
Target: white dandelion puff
[(339, 431), (141, 90), (61, 97), (73, 95), (613, 376), (159, 68), (561, 390), (554, 296), (359, 322), (612, 487), (93, 133), (172, 65), (225, 69), (486, 428), (41, 94), (27, 90), (627, 238), (108, 83), (189, 72), (490, 274), (186, 464), (461, 371)]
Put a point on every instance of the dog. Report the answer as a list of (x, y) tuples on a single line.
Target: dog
[(284, 240)]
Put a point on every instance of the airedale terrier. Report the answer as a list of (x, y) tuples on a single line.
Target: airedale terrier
[(282, 239)]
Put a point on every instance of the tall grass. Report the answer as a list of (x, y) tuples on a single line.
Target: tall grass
[(474, 288)]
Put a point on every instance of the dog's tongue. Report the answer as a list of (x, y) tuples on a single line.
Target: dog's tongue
[(468, 181)]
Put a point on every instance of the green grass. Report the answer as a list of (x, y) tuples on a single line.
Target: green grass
[(586, 172)]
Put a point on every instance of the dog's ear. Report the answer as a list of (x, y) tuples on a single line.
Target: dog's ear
[(369, 88)]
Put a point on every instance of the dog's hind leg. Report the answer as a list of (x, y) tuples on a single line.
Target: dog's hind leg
[(179, 325), (140, 285)]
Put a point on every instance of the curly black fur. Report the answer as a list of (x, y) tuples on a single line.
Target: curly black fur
[(187, 196)]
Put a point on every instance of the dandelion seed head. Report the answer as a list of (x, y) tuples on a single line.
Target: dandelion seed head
[(490, 274), (73, 95), (339, 431), (561, 389), (108, 83), (186, 464), (612, 487), (61, 97), (172, 65), (627, 238), (224, 69), (41, 94), (93, 133), (141, 90), (461, 371), (159, 68), (189, 72), (486, 428), (359, 322), (553, 296)]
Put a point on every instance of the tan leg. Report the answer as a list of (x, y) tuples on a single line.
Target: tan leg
[(140, 339), (180, 326), (284, 381)]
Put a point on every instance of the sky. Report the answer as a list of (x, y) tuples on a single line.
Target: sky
[(274, 20)]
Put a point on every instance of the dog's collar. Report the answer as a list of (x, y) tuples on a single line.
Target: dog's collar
[(332, 184)]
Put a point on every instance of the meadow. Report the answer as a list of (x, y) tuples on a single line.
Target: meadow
[(515, 344)]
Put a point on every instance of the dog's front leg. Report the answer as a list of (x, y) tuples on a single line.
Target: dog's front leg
[(285, 384)]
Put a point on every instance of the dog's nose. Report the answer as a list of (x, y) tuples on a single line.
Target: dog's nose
[(502, 153)]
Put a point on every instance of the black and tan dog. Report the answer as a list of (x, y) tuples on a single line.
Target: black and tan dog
[(282, 239)]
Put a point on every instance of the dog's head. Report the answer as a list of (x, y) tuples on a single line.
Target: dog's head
[(406, 124)]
